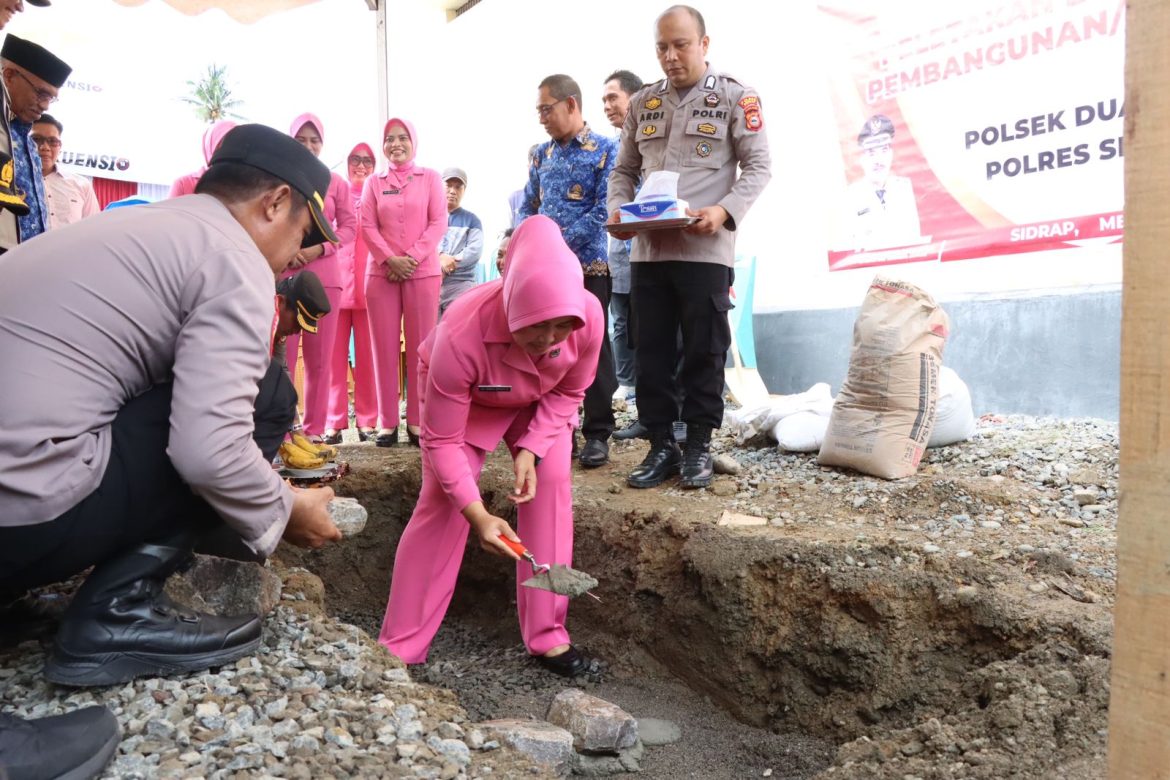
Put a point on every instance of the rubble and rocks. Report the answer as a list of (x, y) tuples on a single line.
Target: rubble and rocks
[(226, 587), (597, 726), (548, 745)]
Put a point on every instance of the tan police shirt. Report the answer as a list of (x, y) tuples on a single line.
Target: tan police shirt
[(714, 138)]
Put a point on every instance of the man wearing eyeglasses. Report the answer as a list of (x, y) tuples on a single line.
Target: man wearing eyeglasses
[(32, 76), (68, 198), (567, 180)]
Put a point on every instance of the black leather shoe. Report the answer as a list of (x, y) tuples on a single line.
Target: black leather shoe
[(570, 663), (413, 438), (595, 453), (698, 466), (635, 430), (77, 744), (121, 625), (389, 439), (366, 434), (661, 462), (331, 438)]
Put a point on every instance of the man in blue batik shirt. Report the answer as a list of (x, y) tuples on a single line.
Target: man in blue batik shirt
[(567, 182), (32, 76)]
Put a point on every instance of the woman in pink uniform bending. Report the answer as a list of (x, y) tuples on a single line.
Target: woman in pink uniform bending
[(403, 216), (510, 360)]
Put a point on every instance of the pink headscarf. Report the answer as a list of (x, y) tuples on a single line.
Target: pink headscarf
[(407, 166), (362, 146), (307, 119), (213, 135), (541, 277)]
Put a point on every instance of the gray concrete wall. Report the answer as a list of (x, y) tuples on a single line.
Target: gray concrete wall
[(1053, 355)]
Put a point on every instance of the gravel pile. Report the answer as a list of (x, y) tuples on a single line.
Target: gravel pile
[(321, 699)]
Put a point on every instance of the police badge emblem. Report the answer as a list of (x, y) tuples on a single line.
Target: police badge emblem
[(711, 100), (703, 149), (652, 103)]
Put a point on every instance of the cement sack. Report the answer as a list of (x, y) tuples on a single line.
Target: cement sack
[(763, 418), (954, 419), (883, 416)]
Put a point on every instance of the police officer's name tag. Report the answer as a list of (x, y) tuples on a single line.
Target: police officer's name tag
[(494, 388)]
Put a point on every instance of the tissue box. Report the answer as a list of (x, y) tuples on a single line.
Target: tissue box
[(657, 210)]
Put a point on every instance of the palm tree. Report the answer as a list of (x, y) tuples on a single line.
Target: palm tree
[(211, 95)]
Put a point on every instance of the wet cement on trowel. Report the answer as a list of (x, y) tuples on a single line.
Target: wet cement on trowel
[(562, 580)]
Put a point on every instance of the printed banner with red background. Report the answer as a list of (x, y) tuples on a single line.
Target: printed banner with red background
[(1008, 122)]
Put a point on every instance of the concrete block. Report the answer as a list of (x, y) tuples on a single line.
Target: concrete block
[(226, 587), (596, 725), (543, 742), (655, 732)]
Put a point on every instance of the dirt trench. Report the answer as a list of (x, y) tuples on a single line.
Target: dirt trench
[(916, 666)]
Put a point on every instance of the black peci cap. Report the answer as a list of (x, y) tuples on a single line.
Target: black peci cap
[(877, 130), (39, 3), (274, 152), (306, 295), (36, 59)]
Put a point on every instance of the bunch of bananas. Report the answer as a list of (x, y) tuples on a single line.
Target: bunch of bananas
[(301, 453)]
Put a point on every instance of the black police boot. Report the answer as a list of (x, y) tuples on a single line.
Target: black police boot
[(635, 430), (77, 744), (121, 625), (698, 466), (661, 462)]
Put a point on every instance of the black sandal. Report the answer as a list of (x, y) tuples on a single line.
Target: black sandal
[(388, 439), (570, 663), (331, 438), (413, 437)]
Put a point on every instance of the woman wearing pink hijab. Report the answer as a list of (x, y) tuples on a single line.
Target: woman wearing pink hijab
[(322, 260), (351, 318), (510, 360), (185, 185), (403, 216)]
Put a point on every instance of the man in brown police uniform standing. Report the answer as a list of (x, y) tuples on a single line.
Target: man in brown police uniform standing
[(709, 128)]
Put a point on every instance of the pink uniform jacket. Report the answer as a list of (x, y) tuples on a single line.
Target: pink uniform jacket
[(185, 185), (476, 377), (338, 210), (404, 213), (353, 261)]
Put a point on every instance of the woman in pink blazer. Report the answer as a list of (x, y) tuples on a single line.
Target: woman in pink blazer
[(510, 360), (351, 318), (185, 185), (404, 216), (323, 261)]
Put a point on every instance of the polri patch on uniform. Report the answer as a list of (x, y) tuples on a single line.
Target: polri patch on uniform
[(711, 100), (707, 129), (703, 149), (576, 192), (753, 119), (649, 129), (652, 103)]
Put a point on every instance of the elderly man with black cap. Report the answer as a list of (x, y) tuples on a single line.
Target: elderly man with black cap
[(135, 344), (32, 76)]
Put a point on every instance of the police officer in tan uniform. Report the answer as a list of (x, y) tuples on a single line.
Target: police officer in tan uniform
[(709, 128)]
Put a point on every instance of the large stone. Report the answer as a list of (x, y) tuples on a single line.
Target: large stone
[(543, 742), (596, 725), (348, 515), (227, 587)]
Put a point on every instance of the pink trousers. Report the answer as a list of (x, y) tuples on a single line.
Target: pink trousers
[(431, 551), (365, 403), (318, 352), (393, 307)]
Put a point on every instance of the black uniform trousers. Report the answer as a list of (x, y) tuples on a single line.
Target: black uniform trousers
[(598, 420), (140, 499), (694, 298)]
